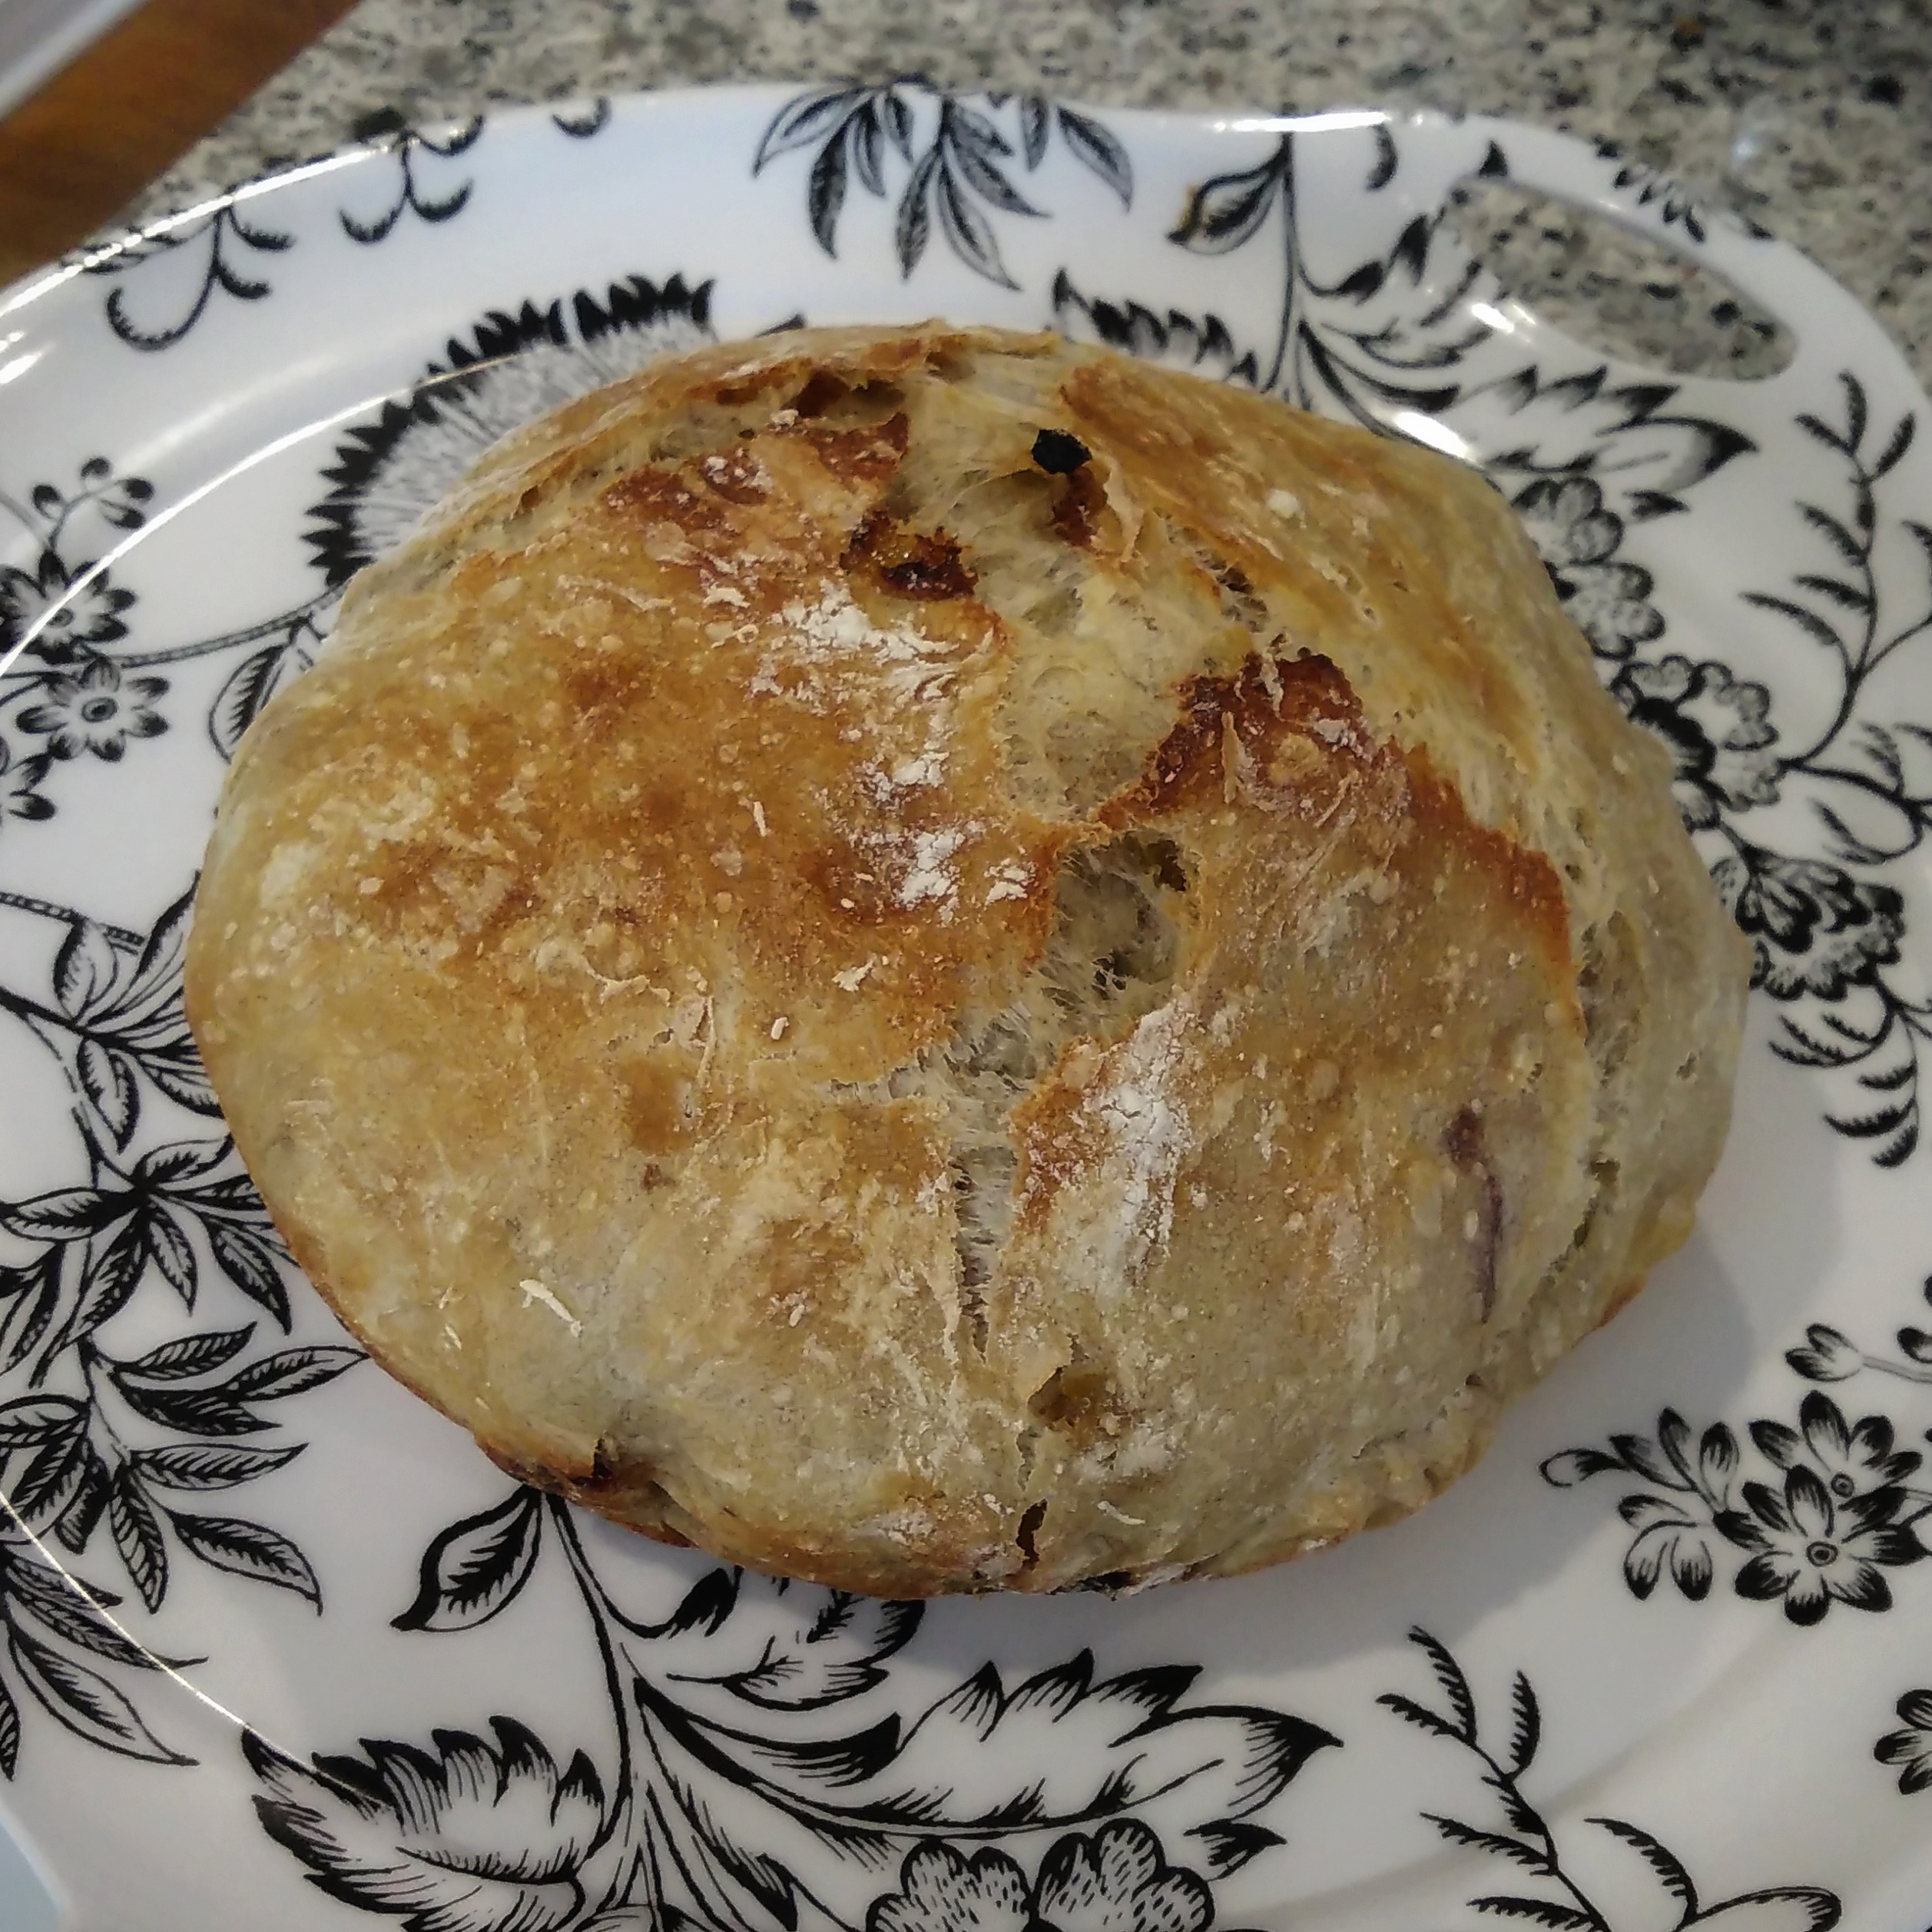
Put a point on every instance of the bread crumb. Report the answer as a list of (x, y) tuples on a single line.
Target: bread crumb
[(730, 861), (1106, 1509), (849, 981), (1283, 502), (758, 817), (534, 1291), (778, 1027), (370, 886)]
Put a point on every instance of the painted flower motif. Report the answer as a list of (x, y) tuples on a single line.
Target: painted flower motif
[(1577, 539), (941, 1889), (1815, 928), (98, 711), (1829, 1355), (60, 609), (1812, 1550), (1668, 1534), (1117, 1880), (1717, 731), (1851, 1461), (513, 369), (1911, 1748), (19, 797), (476, 1838)]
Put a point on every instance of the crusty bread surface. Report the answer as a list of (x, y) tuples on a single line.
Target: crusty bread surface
[(934, 1007)]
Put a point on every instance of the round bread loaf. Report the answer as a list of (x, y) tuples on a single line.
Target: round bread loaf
[(937, 960)]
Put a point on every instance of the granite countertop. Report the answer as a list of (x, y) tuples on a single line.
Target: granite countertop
[(1810, 115)]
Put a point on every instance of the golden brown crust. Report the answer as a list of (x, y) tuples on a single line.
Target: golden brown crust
[(932, 1019)]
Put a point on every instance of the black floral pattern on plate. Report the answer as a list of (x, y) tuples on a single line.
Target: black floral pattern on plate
[(99, 1446), (506, 370), (959, 175), (1909, 1747), (728, 1806), (63, 690), (1523, 1837), (1840, 1514), (1836, 1514), (1828, 928), (218, 237), (768, 1756)]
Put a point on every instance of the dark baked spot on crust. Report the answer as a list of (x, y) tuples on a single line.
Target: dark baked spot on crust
[(908, 562), (1080, 1402), (821, 390), (662, 496), (869, 452), (1078, 511), (1465, 1145), (1306, 698), (735, 474), (1059, 454), (1527, 878), (1029, 1528)]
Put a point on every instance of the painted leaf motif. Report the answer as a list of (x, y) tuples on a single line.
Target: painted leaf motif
[(1794, 1908), (86, 1702), (76, 1522), (108, 1079), (293, 1371), (1497, 1843), (193, 1412), (1225, 212), (1095, 147), (250, 1262), (189, 1355), (246, 691), (1545, 1912), (247, 1549), (52, 1477), (63, 1215), (967, 229), (1227, 1845), (811, 118), (476, 1568), (201, 1467), (471, 1837), (1665, 1863), (795, 1647), (912, 227), (1059, 1752), (34, 1419), (137, 1536), (825, 193), (172, 1253), (1035, 119), (31, 1313), (109, 1280), (84, 968), (62, 1606)]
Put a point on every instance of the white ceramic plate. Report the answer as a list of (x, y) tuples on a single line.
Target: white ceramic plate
[(1665, 1658)]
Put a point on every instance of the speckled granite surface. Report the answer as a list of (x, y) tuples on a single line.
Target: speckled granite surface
[(1815, 116)]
